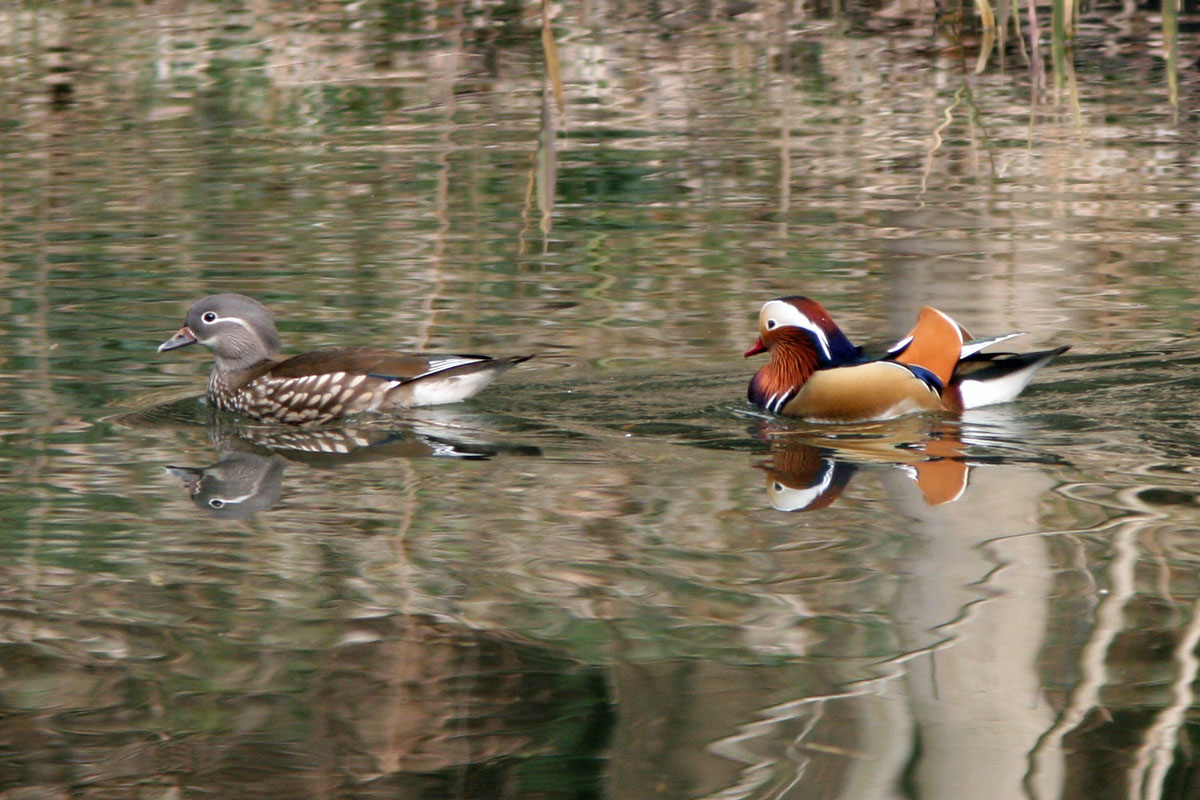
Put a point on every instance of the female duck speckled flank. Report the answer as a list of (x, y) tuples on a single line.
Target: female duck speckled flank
[(322, 385), (815, 372)]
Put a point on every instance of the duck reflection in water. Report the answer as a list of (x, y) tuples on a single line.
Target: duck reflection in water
[(801, 478), (248, 474), (809, 471), (238, 486)]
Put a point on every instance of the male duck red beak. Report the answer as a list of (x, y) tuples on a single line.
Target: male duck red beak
[(756, 348), (182, 338)]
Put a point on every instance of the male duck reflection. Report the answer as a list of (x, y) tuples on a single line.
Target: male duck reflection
[(815, 373), (803, 476), (322, 385)]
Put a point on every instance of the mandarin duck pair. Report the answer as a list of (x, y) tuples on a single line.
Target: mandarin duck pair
[(814, 372)]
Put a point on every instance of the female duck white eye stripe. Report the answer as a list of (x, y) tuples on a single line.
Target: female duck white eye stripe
[(215, 319)]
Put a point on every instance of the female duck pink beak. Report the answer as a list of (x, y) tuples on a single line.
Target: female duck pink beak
[(181, 339)]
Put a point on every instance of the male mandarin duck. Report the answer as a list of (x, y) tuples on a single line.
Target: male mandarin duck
[(815, 373), (322, 385)]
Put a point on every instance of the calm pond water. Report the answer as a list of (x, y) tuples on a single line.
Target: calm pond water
[(607, 576)]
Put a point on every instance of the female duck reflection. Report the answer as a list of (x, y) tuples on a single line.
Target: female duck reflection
[(248, 474), (805, 476)]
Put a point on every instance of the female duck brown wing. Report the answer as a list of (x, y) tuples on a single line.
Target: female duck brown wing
[(374, 379), (375, 361)]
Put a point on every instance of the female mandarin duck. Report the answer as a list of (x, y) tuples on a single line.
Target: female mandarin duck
[(322, 385), (815, 372)]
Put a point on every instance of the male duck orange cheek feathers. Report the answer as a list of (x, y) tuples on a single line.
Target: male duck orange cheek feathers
[(814, 372)]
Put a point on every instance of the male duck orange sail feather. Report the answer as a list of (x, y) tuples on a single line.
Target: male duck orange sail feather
[(815, 373)]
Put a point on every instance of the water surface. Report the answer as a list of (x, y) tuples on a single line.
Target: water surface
[(607, 576)]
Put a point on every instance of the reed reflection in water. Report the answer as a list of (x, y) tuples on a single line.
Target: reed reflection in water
[(608, 576)]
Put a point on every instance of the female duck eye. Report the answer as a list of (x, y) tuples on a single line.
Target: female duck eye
[(209, 317), (216, 503)]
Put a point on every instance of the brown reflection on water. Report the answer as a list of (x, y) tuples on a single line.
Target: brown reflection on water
[(624, 611), (370, 705), (618, 611)]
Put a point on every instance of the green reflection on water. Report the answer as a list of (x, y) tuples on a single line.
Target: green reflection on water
[(605, 601)]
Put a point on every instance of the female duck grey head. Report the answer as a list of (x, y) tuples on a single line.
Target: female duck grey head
[(238, 329)]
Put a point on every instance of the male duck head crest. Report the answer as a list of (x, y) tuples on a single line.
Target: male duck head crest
[(785, 317)]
